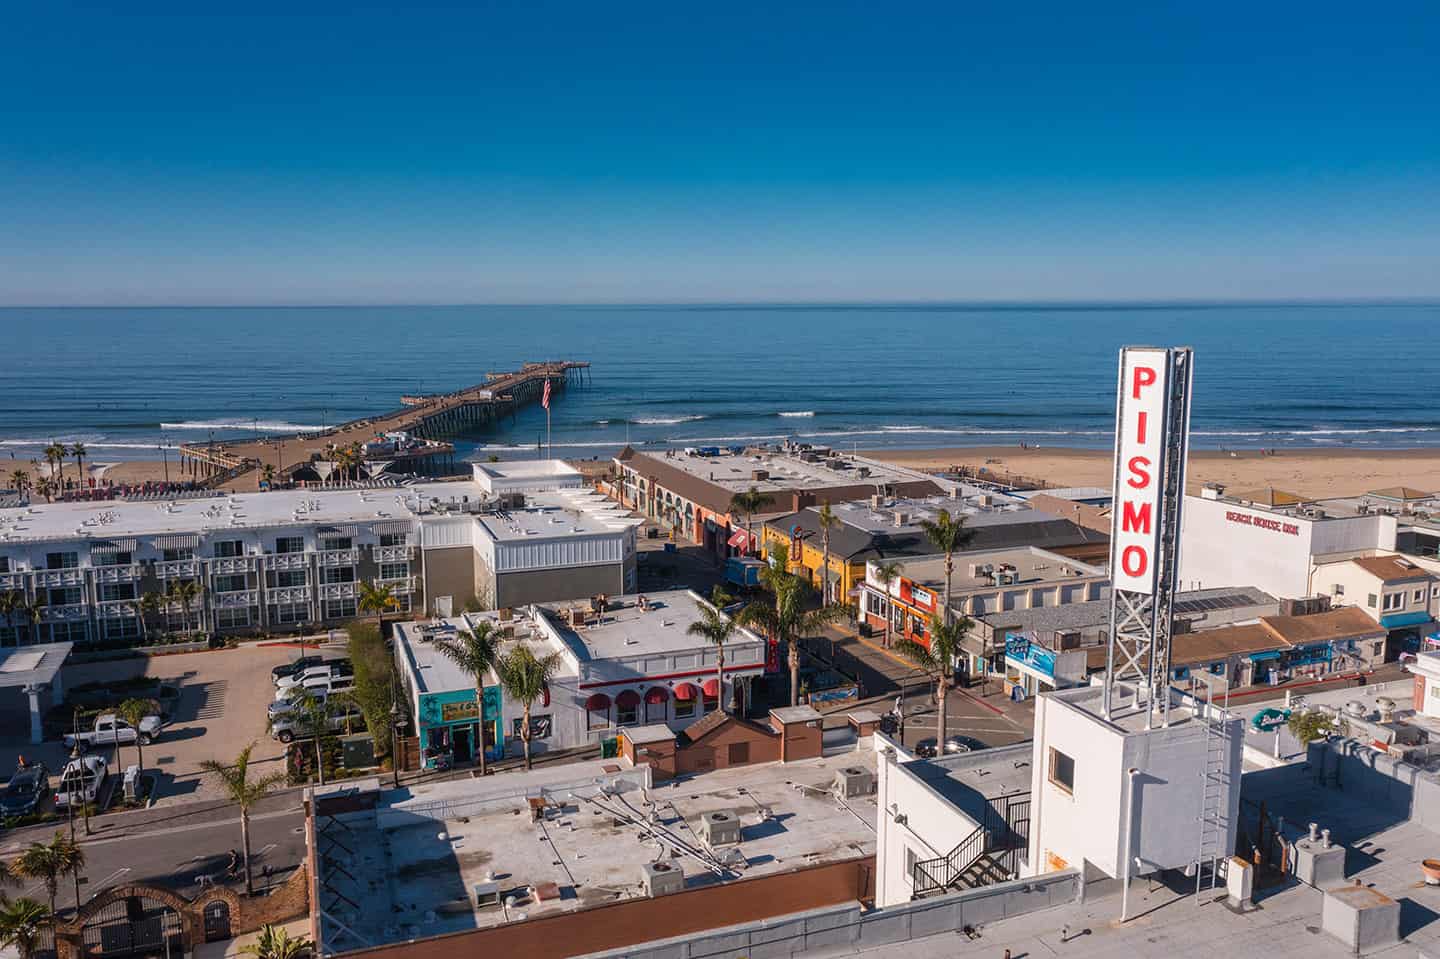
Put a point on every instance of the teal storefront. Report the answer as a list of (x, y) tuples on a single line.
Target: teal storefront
[(447, 722)]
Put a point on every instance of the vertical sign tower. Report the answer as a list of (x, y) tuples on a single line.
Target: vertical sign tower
[(1152, 435)]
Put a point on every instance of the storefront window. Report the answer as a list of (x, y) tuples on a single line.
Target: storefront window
[(597, 718), (626, 715), (712, 703), (684, 708)]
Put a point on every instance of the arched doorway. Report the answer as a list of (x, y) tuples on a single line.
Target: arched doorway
[(217, 920), (133, 926)]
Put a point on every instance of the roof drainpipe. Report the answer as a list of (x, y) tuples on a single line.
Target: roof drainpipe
[(1130, 775)]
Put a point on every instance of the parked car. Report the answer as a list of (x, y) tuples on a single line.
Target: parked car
[(82, 777), (287, 699), (23, 793), (111, 730), (320, 671), (295, 666), (288, 728)]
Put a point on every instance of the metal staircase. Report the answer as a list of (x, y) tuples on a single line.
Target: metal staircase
[(945, 872)]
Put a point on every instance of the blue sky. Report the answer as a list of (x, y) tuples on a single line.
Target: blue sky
[(634, 152)]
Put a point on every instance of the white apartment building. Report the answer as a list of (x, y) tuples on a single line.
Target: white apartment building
[(285, 560)]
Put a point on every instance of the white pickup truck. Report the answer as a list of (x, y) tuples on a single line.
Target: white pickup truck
[(111, 730)]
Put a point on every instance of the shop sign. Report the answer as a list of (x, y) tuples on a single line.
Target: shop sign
[(917, 595), (459, 712), (1021, 651)]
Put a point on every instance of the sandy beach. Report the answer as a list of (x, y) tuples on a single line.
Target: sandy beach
[(1308, 472)]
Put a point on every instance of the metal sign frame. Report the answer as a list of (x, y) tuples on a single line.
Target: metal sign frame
[(1141, 619)]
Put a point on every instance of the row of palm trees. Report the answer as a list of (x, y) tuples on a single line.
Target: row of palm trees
[(23, 921)]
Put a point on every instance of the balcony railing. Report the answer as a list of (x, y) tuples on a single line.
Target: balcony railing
[(400, 586), (234, 564), (339, 557), (12, 582), (59, 577), (394, 554), (337, 591), (117, 574), (287, 594), (178, 569), (67, 613), (287, 561), (238, 600), (118, 609)]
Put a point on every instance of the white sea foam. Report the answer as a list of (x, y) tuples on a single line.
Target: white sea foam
[(666, 420), (91, 445), (242, 425), (798, 413)]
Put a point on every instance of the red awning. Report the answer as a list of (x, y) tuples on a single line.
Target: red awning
[(738, 538), (545, 695), (597, 702), (627, 699), (711, 687), (657, 696), (686, 692)]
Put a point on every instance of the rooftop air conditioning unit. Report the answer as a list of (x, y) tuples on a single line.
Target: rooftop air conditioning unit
[(852, 782), (661, 878), (720, 828), (759, 475), (901, 517), (984, 499), (863, 471), (877, 502)]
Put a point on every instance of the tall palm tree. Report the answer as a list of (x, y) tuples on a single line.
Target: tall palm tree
[(937, 660), (828, 521), (949, 536), (45, 486), (748, 502), (20, 480), (525, 678), (12, 603), (244, 792), (717, 629), (267, 474), (7, 878), (275, 943), (78, 451), (147, 607), (134, 711), (33, 614), (55, 455), (379, 599), (475, 651), (887, 572), (22, 922), (48, 861), (186, 592), (789, 621), (314, 716)]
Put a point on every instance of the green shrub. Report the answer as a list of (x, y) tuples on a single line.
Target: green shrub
[(376, 685)]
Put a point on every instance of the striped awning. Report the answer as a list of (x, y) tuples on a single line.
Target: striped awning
[(113, 546), (178, 541), (337, 532), (394, 529)]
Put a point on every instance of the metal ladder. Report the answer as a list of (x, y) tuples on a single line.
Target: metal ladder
[(1215, 785)]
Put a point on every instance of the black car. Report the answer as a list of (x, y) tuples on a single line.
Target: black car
[(25, 790), (295, 666)]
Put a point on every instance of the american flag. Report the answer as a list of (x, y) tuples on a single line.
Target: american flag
[(545, 397)]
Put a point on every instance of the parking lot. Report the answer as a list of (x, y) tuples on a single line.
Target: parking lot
[(220, 708)]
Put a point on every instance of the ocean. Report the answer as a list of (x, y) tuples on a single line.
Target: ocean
[(127, 381)]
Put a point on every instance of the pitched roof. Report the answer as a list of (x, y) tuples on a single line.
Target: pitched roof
[(701, 728), (1270, 496), (1214, 644), (1400, 493), (1390, 568), (1347, 622)]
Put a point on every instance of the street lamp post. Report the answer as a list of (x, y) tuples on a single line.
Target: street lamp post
[(397, 725)]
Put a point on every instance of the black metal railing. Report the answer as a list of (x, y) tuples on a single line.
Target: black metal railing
[(932, 875)]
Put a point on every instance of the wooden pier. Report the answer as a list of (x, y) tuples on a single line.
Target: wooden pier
[(435, 418)]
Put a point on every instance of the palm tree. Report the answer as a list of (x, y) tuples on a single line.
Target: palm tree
[(267, 474), (147, 607), (828, 521), (47, 862), (133, 711), (78, 451), (20, 480), (937, 660), (244, 792), (377, 598), (717, 629), (55, 455), (887, 573), (275, 943), (11, 604), (748, 502), (45, 486), (186, 592), (526, 677), (949, 535), (789, 621), (313, 716), (476, 652), (7, 878), (32, 613), (21, 924)]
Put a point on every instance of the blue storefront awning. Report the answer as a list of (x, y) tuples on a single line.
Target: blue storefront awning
[(1264, 655), (1396, 620)]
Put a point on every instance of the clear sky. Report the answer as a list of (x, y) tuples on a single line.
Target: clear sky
[(533, 151)]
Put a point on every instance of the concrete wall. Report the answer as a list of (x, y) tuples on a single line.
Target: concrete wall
[(553, 585), (933, 826), (1073, 829), (1378, 780), (449, 571), (843, 929), (713, 751)]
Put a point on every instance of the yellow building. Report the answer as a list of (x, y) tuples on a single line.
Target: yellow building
[(805, 557)]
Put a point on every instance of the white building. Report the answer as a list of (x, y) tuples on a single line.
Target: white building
[(1400, 593), (1270, 539), (283, 560), (1114, 798), (626, 666)]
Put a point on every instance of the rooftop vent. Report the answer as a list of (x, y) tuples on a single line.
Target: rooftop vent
[(853, 781), (661, 878)]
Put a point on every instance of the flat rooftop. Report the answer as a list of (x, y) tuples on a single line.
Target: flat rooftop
[(967, 780), (549, 473), (1204, 607), (625, 629), (1032, 566), (788, 470), (979, 509), (589, 844), (542, 518)]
